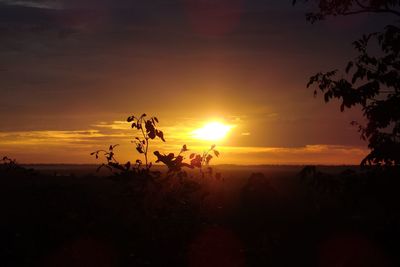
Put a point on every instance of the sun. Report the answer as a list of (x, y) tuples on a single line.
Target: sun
[(212, 131)]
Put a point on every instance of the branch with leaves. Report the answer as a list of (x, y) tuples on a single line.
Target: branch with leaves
[(334, 8), (373, 81), (149, 131), (176, 163)]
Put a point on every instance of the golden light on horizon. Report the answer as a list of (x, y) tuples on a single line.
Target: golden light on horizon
[(212, 131)]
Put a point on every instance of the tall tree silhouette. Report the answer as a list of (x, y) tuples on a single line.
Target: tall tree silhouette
[(372, 78)]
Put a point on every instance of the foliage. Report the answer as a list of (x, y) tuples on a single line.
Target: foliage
[(10, 165), (114, 166), (148, 132), (152, 191), (174, 163), (372, 80), (350, 7)]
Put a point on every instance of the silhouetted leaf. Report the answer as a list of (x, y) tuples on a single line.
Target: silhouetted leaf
[(216, 153), (140, 149), (151, 131), (160, 134), (128, 165), (208, 158), (196, 161), (349, 66)]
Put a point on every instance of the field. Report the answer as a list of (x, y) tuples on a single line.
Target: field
[(68, 215)]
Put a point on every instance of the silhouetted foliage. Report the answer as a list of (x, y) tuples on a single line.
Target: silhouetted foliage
[(11, 166), (114, 166), (149, 131), (175, 164), (350, 7), (372, 79)]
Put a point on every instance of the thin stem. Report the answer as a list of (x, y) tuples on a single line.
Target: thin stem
[(147, 148), (147, 142), (359, 4)]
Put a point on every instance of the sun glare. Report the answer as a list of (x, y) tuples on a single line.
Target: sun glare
[(212, 131)]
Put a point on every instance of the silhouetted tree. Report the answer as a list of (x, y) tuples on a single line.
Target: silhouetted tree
[(372, 78)]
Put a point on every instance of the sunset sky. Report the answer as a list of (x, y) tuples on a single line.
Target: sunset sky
[(72, 71)]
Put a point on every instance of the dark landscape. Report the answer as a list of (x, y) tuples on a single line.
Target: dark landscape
[(251, 216)]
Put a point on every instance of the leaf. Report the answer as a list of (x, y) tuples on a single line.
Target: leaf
[(184, 148), (192, 155), (140, 149), (128, 165), (152, 134), (216, 153), (155, 118), (213, 146), (133, 125), (130, 119), (151, 131), (196, 162), (208, 158), (160, 134), (349, 66)]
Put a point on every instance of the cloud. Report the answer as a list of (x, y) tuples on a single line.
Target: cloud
[(75, 146), (309, 154)]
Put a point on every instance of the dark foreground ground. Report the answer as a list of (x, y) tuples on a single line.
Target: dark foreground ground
[(251, 216)]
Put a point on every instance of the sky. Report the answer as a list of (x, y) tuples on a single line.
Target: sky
[(72, 71)]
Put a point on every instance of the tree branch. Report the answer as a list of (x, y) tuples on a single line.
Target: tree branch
[(370, 10), (360, 5)]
